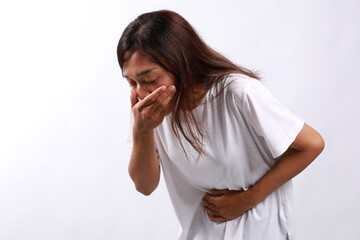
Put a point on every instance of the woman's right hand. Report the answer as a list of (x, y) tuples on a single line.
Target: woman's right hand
[(150, 111)]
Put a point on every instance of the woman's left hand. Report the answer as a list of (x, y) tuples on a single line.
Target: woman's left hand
[(224, 205)]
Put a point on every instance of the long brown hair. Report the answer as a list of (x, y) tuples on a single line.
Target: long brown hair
[(170, 41)]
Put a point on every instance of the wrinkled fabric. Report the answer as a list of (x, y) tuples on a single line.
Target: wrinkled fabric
[(247, 130)]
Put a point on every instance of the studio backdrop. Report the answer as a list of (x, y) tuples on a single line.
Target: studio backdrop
[(64, 111)]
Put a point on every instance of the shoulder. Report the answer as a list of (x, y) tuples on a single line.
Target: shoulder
[(239, 86)]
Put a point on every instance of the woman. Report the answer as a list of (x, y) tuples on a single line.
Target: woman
[(227, 148)]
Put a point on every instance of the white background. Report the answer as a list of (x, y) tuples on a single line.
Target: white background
[(64, 111)]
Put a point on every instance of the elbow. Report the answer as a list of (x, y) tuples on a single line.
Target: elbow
[(145, 191), (317, 144), (145, 187), (320, 144)]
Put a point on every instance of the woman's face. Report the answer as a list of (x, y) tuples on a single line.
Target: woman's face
[(145, 76)]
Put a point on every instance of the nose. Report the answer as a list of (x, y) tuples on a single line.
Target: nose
[(142, 91)]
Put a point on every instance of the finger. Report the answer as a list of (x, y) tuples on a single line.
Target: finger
[(214, 200), (211, 211), (208, 203), (218, 192), (160, 107), (164, 100), (152, 97), (217, 219), (170, 91), (133, 98)]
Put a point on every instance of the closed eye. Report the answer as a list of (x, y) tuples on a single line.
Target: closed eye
[(148, 82), (133, 83)]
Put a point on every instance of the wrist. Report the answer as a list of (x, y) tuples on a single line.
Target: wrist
[(255, 196), (142, 134)]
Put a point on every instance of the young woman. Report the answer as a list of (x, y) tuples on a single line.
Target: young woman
[(227, 147)]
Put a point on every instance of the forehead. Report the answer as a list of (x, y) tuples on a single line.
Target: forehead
[(136, 62)]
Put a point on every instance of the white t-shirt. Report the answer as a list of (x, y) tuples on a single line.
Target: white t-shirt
[(247, 131)]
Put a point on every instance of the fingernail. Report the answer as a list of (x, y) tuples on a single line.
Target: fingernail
[(172, 87), (162, 87)]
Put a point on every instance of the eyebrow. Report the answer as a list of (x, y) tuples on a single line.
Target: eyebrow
[(142, 73)]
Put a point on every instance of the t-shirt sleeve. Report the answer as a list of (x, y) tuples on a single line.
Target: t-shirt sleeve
[(269, 118)]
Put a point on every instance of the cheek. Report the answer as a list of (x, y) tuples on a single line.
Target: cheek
[(171, 79), (155, 86), (152, 88), (168, 81)]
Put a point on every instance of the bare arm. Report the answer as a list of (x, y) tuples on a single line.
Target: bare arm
[(228, 204), (144, 169), (306, 147)]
